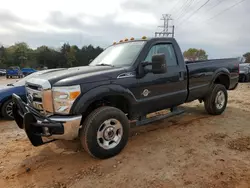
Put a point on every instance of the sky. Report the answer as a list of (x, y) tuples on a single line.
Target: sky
[(100, 23)]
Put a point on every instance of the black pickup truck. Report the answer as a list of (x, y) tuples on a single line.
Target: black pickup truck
[(128, 80)]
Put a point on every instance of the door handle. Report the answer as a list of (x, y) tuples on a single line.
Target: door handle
[(199, 75), (181, 75)]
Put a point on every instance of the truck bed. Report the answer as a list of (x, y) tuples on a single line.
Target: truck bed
[(201, 73)]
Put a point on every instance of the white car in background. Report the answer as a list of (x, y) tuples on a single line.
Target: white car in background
[(244, 72)]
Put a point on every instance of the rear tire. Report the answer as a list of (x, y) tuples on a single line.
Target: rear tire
[(216, 101), (6, 110), (105, 132)]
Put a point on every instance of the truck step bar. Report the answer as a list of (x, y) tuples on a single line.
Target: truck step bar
[(173, 112)]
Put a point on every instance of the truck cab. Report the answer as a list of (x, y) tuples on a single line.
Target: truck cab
[(128, 80), (14, 71)]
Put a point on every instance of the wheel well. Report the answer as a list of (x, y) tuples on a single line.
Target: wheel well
[(117, 101), (223, 79), (3, 101)]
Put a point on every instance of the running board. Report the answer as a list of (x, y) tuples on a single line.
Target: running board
[(173, 112)]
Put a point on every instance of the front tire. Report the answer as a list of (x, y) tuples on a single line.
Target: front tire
[(105, 132), (7, 110), (216, 101)]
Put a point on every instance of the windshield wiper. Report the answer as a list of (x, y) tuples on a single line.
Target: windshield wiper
[(104, 64), (10, 84)]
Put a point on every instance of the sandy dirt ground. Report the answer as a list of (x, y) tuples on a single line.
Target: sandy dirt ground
[(190, 150), (4, 81)]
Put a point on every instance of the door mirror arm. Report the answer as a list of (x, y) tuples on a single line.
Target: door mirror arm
[(141, 70)]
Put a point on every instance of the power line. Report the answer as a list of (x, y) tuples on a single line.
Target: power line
[(186, 8), (223, 11), (181, 8), (173, 7), (215, 5), (226, 10), (196, 11), (186, 13)]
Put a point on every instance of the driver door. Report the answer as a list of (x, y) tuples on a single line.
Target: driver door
[(160, 91)]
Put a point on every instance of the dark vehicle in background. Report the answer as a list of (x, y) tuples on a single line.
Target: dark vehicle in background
[(244, 72), (128, 80), (27, 71), (2, 72), (14, 71), (18, 88)]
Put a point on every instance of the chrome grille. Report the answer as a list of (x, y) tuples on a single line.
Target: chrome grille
[(34, 96), (39, 95)]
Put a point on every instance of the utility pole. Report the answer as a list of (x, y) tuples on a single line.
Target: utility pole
[(166, 27)]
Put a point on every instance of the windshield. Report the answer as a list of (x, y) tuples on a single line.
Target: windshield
[(119, 55)]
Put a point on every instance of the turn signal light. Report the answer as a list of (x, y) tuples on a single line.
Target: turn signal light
[(132, 38), (144, 37)]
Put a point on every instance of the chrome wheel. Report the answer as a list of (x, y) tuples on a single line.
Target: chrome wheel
[(220, 100), (109, 134), (8, 109)]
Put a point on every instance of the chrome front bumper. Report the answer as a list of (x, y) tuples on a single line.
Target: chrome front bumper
[(71, 126), (41, 129)]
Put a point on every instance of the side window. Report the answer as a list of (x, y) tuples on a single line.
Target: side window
[(167, 49)]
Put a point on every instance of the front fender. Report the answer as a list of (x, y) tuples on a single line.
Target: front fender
[(97, 93)]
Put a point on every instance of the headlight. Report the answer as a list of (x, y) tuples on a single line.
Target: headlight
[(64, 97)]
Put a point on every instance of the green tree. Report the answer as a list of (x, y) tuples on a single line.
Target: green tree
[(47, 57), (20, 54), (193, 54), (247, 56), (88, 53), (3, 57)]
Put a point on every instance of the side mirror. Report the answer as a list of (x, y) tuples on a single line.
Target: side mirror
[(159, 64), (90, 60)]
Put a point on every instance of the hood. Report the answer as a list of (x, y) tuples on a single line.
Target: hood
[(3, 87), (9, 88), (76, 74)]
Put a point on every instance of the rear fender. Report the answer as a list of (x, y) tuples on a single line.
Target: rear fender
[(217, 73)]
